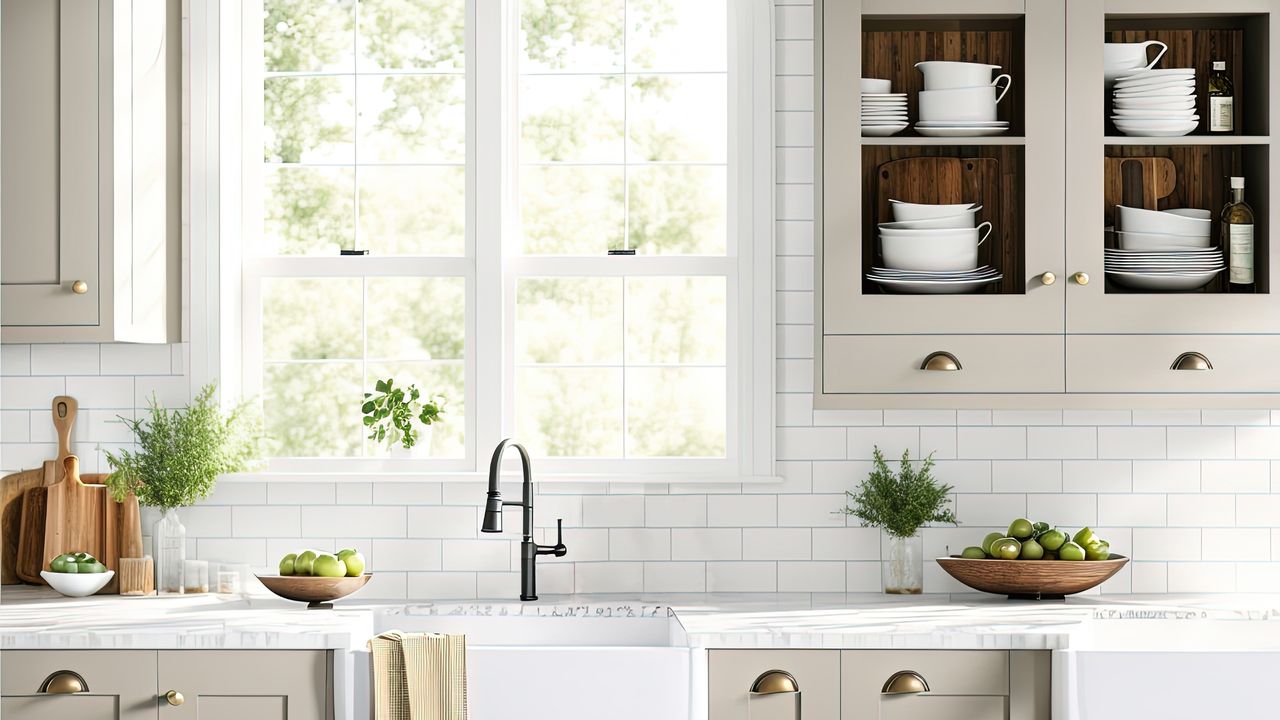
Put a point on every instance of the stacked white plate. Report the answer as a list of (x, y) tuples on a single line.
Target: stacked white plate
[(1163, 250), (932, 249), (883, 113), (1155, 103), (934, 283)]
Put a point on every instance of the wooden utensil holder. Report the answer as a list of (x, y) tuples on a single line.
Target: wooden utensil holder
[(137, 576)]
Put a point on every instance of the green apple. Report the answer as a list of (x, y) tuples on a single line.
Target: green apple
[(1031, 550), (1020, 529), (303, 564), (1039, 528), (1052, 539), (1006, 548), (287, 564), (354, 563), (72, 568), (344, 552), (93, 567), (1071, 551), (1098, 550), (59, 564), (1083, 537), (328, 565), (974, 553), (989, 540)]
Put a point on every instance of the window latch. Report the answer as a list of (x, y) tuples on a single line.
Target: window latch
[(353, 253), (629, 251)]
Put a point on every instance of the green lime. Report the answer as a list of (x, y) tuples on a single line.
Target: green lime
[(1031, 550), (1083, 537), (988, 540), (1099, 550), (1052, 539), (1020, 529), (1006, 548), (1071, 551), (974, 553)]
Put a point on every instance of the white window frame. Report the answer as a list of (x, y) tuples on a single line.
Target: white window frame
[(230, 349)]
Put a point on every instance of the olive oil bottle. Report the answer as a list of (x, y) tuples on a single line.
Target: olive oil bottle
[(1222, 111), (1237, 240)]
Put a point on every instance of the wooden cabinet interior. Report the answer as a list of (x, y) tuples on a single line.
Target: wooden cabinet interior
[(989, 175), (891, 46)]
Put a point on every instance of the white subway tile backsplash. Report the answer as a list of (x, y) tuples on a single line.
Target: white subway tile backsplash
[(794, 273), (65, 359), (354, 521), (862, 577), (795, 202), (742, 577), (964, 476), (1062, 442), (1131, 443), (1166, 476), (1026, 476), (991, 443), (1202, 577), (811, 577), (940, 442), (1241, 476), (1235, 417), (839, 476), (37, 393), (134, 359), (639, 544), (742, 510), (795, 341), (920, 417), (15, 360), (1200, 443), (301, 493), (1026, 417), (1067, 509), (1258, 577), (169, 391), (445, 522), (613, 511), (707, 543), (1261, 443), (408, 555), (478, 555), (1097, 417), (848, 543), (417, 493), (850, 418), (797, 479), (1166, 417), (793, 23), (810, 510), (891, 441), (794, 409), (251, 551), (825, 443), (354, 493), (675, 577), (974, 417), (993, 509), (795, 376), (794, 129), (1201, 510), (1246, 544), (1150, 577), (1167, 544), (610, 577), (794, 165), (795, 308), (1258, 510), (675, 511), (15, 426), (777, 544), (1131, 510), (266, 521), (1100, 476)]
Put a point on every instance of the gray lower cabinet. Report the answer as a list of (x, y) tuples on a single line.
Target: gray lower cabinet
[(168, 684), (858, 684)]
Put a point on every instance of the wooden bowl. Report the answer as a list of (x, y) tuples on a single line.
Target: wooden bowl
[(1035, 579), (317, 592)]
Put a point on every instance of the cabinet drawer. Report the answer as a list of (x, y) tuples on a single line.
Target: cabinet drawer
[(121, 683), (731, 673), (947, 672), (1142, 364), (870, 364), (60, 707), (924, 707)]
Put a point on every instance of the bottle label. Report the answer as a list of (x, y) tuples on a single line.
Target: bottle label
[(1241, 248), (1221, 114)]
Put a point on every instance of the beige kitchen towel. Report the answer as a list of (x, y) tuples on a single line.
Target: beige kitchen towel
[(419, 676)]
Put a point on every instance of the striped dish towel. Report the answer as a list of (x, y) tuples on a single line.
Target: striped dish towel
[(419, 676)]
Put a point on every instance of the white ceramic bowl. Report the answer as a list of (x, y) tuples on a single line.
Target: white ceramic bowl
[(1120, 59), (948, 74), (926, 211), (933, 250), (965, 219), (77, 584), (969, 103), (1164, 222), (875, 85), (1160, 241)]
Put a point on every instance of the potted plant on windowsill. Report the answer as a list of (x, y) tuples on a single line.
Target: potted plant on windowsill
[(900, 504), (391, 413)]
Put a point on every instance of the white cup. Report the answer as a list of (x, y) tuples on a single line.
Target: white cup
[(1120, 59), (933, 250), (875, 85), (977, 104), (948, 74)]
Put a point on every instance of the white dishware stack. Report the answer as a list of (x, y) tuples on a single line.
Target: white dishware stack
[(1165, 250), (1155, 103), (1120, 59), (933, 249), (884, 113), (959, 99)]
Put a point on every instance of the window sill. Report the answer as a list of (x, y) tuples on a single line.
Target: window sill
[(479, 477)]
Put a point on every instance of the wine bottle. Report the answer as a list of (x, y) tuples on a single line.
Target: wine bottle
[(1237, 240), (1222, 111)]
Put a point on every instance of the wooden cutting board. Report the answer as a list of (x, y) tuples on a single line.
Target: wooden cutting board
[(1140, 182), (946, 181), (13, 490), (81, 517), (30, 558)]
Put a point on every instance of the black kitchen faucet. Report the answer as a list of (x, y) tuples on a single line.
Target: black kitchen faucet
[(529, 550)]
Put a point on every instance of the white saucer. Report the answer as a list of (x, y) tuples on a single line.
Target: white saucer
[(960, 131), (883, 130)]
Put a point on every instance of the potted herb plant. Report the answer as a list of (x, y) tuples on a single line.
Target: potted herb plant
[(900, 504), (179, 457), (391, 413)]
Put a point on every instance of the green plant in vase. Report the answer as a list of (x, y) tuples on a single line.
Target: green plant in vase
[(900, 504), (390, 413)]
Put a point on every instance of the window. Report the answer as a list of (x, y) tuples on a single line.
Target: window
[(556, 213)]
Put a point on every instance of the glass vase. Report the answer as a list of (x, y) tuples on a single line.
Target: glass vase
[(902, 566), (169, 542)]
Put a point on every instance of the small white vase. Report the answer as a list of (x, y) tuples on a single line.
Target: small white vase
[(902, 565), (169, 541)]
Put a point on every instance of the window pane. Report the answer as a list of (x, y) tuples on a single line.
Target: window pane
[(413, 210), (571, 210), (571, 119), (676, 412), (676, 320), (571, 35), (414, 318), (569, 320), (308, 35), (413, 118), (678, 35), (312, 318), (309, 119), (412, 34), (682, 118), (678, 209), (313, 409), (570, 412), (307, 211), (443, 439)]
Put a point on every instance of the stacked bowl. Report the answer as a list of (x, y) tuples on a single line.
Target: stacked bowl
[(959, 99), (1163, 250), (1155, 103), (932, 249), (884, 113)]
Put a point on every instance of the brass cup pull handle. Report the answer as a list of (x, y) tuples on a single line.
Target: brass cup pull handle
[(64, 682), (79, 287), (905, 682), (1081, 278), (773, 682), (174, 698), (941, 361), (1191, 361), (1048, 278)]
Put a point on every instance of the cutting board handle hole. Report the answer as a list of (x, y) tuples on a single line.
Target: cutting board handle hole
[(62, 410), (884, 174)]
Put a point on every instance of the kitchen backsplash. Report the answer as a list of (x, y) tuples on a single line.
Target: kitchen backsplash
[(1193, 496)]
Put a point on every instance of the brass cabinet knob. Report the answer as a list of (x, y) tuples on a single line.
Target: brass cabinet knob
[(1191, 361), (1081, 278), (64, 682), (1048, 278), (79, 287), (174, 698), (941, 361), (905, 682)]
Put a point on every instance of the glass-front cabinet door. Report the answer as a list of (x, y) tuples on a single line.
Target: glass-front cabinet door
[(1166, 103), (940, 217)]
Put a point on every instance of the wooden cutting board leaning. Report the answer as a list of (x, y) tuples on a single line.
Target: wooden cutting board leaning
[(81, 518), (13, 491)]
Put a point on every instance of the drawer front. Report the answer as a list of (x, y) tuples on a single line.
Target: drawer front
[(947, 672), (870, 364), (925, 707), (731, 673), (1242, 364), (69, 707), (116, 678)]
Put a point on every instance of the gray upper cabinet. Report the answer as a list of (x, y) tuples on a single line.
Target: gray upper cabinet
[(1055, 330), (90, 232)]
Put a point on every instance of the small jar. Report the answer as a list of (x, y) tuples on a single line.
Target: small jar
[(195, 576)]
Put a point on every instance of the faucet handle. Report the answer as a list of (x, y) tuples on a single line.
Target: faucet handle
[(560, 549)]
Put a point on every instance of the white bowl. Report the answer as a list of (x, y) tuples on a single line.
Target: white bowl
[(1120, 59), (925, 211), (933, 250), (883, 129), (969, 103), (948, 74), (1163, 222), (77, 584), (966, 219), (874, 85), (1160, 241)]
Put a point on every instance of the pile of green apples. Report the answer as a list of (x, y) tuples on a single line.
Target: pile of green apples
[(1038, 541), (344, 563), (76, 562)]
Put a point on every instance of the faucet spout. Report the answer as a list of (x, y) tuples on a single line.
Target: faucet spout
[(529, 550), (493, 503)]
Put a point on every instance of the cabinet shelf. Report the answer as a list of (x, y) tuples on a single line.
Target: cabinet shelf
[(1189, 140), (945, 141)]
